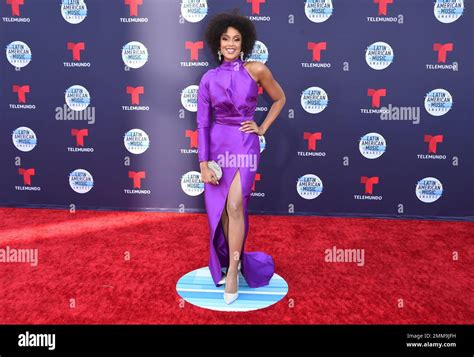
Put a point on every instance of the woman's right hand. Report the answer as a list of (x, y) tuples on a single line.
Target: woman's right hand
[(208, 175)]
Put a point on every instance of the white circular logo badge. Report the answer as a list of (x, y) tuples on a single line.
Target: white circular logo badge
[(134, 54), (429, 189), (438, 102), (24, 139), (77, 97), (18, 54), (447, 11), (314, 100), (309, 186), (372, 145), (189, 98), (259, 52), (136, 141), (379, 55), (81, 181), (318, 10), (74, 11), (192, 184), (262, 142), (194, 10)]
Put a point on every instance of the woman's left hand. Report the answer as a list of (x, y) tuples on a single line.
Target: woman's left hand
[(250, 126)]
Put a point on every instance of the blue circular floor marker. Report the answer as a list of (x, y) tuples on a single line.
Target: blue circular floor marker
[(197, 288)]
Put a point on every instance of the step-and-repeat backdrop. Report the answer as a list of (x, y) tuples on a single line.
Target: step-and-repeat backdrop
[(98, 105)]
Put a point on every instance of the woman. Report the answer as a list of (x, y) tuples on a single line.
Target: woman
[(230, 91)]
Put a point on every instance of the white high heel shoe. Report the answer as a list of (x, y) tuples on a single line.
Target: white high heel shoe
[(229, 298)]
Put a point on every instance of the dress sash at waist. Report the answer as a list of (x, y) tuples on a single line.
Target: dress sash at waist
[(236, 120)]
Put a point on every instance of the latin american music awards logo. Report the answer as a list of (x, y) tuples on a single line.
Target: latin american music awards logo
[(193, 10), (318, 10), (379, 55), (189, 97), (77, 97), (81, 181), (74, 11), (16, 9), (134, 55), (136, 141), (309, 186), (448, 11), (24, 139), (372, 145), (314, 100), (18, 54), (259, 52), (438, 102), (191, 183), (262, 143), (429, 189)]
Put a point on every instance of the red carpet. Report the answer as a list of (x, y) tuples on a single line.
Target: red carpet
[(81, 257)]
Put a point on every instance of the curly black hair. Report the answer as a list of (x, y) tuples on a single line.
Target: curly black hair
[(219, 24)]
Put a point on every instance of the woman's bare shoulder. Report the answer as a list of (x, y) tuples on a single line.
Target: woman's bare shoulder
[(256, 68)]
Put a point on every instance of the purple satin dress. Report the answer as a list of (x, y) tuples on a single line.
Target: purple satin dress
[(230, 93)]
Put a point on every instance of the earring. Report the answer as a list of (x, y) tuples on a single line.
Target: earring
[(219, 53), (242, 55)]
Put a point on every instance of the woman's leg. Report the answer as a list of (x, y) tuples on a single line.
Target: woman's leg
[(236, 231), (225, 222)]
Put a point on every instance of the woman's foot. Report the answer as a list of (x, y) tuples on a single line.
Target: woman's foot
[(231, 290)]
